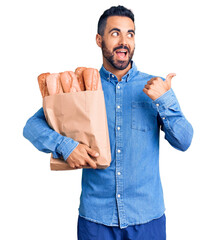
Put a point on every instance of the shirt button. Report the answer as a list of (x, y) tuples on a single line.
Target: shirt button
[(118, 87), (118, 128), (113, 76), (119, 173), (163, 118), (119, 150), (157, 104), (119, 195), (118, 106)]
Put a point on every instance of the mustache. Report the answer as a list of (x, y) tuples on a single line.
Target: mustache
[(121, 47)]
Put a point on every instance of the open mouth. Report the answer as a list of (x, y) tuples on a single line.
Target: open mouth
[(121, 53)]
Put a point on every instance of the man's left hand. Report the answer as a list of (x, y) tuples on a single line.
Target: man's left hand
[(156, 87)]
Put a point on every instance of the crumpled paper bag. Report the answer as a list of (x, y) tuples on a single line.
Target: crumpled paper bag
[(82, 117)]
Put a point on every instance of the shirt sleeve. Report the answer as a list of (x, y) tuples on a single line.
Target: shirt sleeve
[(45, 139), (178, 131)]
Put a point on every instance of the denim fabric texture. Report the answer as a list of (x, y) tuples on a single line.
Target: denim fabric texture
[(153, 230), (129, 191)]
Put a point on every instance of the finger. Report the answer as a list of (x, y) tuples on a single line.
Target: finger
[(169, 77), (145, 90), (147, 86), (77, 167), (71, 165), (153, 80), (91, 163), (92, 152)]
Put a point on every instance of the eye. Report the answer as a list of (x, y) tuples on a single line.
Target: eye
[(130, 35), (115, 34)]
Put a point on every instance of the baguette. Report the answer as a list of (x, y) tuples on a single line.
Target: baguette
[(75, 86), (79, 75), (92, 79), (54, 84), (42, 84), (66, 81)]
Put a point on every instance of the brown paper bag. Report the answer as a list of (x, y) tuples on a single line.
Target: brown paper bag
[(82, 117)]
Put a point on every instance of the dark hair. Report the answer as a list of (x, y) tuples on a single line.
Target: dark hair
[(113, 11)]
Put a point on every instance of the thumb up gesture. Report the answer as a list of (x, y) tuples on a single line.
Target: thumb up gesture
[(156, 87)]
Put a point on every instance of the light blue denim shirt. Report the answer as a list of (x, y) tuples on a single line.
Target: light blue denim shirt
[(129, 191)]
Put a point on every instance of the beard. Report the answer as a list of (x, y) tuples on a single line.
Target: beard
[(109, 56)]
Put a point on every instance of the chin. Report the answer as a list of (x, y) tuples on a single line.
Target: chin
[(121, 65)]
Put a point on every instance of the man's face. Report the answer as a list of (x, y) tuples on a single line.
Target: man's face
[(118, 41)]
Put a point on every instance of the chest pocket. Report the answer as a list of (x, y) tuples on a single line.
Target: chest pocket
[(144, 116)]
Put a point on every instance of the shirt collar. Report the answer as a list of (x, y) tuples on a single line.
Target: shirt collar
[(111, 77)]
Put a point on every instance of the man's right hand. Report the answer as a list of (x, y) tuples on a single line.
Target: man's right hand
[(80, 158)]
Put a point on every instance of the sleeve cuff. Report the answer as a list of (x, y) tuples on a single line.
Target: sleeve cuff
[(66, 147), (166, 100), (56, 155)]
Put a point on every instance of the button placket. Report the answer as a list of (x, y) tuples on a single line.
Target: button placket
[(119, 154)]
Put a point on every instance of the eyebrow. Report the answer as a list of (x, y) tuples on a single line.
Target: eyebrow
[(117, 29), (131, 31)]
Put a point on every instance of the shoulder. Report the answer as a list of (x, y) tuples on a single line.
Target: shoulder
[(145, 76), (142, 76)]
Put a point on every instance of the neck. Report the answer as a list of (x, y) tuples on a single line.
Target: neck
[(119, 73)]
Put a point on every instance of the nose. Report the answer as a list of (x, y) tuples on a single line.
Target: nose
[(123, 40)]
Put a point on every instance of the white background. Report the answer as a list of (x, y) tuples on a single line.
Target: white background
[(49, 35)]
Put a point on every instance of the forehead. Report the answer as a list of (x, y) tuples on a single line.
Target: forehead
[(123, 23)]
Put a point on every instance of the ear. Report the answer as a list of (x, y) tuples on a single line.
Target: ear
[(99, 40)]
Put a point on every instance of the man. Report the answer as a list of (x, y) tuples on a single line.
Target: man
[(125, 200)]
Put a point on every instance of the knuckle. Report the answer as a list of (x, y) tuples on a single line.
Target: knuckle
[(71, 165), (82, 163)]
